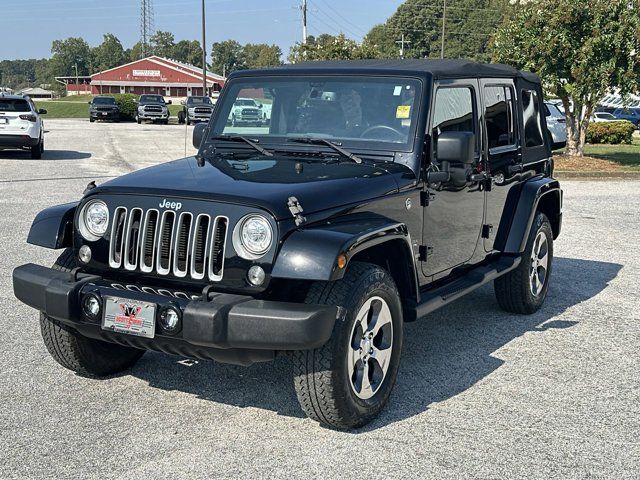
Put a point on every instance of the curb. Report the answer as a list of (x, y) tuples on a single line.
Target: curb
[(596, 175)]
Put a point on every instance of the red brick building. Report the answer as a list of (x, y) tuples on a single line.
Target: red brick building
[(158, 75)]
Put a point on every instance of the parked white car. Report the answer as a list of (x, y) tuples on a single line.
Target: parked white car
[(247, 111), (557, 125), (21, 126), (599, 117)]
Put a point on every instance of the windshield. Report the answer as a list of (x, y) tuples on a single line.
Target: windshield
[(199, 101), (104, 101), (14, 105), (151, 99), (359, 111)]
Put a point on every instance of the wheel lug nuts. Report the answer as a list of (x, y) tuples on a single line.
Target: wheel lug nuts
[(371, 350)]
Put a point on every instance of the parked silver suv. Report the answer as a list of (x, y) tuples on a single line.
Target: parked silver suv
[(20, 125)]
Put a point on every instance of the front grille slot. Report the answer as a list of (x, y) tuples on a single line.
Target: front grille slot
[(168, 243)]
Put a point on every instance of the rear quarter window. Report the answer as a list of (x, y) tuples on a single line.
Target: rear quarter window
[(533, 136)]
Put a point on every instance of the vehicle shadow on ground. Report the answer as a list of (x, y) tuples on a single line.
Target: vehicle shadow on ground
[(52, 155), (444, 353)]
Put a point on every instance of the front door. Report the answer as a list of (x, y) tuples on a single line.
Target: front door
[(454, 214)]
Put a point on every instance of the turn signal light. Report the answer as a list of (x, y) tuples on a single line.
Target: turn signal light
[(342, 261)]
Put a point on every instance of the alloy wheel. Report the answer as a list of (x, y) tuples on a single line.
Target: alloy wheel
[(370, 346), (539, 264)]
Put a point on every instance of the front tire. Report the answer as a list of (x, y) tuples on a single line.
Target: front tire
[(138, 120), (85, 356), (524, 289), (346, 382)]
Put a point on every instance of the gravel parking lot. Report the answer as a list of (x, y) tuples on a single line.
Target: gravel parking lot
[(480, 393)]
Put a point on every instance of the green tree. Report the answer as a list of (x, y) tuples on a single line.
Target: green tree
[(580, 50), (108, 54), (162, 44), (469, 25), (329, 47), (261, 55), (135, 52), (188, 52), (226, 57), (68, 53)]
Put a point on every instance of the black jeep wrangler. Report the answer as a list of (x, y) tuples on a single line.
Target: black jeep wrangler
[(379, 192)]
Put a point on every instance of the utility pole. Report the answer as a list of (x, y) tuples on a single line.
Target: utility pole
[(204, 53), (402, 42), (444, 17), (303, 7), (77, 84)]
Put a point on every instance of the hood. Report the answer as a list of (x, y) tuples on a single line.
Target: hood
[(265, 182)]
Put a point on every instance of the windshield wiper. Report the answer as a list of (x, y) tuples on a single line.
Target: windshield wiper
[(240, 138), (328, 143)]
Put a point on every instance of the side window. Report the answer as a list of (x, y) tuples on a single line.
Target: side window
[(533, 136), (454, 111), (499, 116)]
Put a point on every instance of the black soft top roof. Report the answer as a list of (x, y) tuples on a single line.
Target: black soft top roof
[(447, 68)]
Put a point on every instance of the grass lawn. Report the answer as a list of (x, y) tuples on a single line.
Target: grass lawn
[(602, 159), (64, 109)]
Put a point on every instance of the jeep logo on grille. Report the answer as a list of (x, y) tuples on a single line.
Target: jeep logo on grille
[(172, 205)]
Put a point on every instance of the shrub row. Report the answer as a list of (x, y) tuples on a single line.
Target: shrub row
[(610, 132), (127, 102)]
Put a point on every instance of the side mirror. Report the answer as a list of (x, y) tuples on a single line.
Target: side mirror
[(259, 105), (198, 134), (89, 103), (168, 102), (182, 102), (42, 111), (456, 147)]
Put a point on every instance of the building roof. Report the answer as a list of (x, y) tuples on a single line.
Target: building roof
[(447, 68), (184, 68), (35, 91)]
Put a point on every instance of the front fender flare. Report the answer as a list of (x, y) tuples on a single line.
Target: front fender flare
[(312, 253), (53, 227)]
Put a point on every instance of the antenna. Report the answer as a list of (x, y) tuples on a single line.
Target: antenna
[(146, 25)]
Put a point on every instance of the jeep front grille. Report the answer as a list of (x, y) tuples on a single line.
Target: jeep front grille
[(168, 243)]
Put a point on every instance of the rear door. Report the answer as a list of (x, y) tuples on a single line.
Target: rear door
[(501, 150)]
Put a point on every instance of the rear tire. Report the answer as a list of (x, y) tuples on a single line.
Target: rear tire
[(85, 356), (524, 289), (366, 343), (36, 151)]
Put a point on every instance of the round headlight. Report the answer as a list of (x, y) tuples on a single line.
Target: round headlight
[(94, 220), (252, 237)]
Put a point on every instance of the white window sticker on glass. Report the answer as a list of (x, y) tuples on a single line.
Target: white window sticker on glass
[(397, 91)]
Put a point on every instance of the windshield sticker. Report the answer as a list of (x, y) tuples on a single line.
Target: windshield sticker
[(403, 111), (397, 90)]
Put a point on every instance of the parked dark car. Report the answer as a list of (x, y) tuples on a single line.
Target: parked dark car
[(195, 109), (379, 192), (153, 108), (104, 108), (630, 114)]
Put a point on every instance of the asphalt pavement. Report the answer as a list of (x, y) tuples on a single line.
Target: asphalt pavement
[(480, 394)]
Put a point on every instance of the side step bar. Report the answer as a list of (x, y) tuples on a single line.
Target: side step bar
[(441, 296)]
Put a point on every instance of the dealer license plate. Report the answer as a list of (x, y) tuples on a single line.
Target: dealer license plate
[(133, 317), (104, 114), (4, 121)]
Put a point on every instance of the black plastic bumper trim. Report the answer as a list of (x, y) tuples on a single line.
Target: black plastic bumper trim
[(224, 322)]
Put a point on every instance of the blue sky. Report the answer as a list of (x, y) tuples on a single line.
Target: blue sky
[(32, 26)]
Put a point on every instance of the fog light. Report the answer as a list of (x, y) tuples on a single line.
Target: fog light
[(84, 254), (170, 318), (91, 306), (256, 276)]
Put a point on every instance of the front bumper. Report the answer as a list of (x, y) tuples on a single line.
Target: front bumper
[(18, 141), (228, 328), (106, 115), (153, 115)]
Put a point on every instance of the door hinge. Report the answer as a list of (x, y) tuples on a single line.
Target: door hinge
[(486, 231), (425, 198), (424, 252)]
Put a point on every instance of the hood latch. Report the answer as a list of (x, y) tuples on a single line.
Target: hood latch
[(296, 210)]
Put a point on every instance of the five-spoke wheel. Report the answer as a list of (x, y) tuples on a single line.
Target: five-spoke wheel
[(539, 264)]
